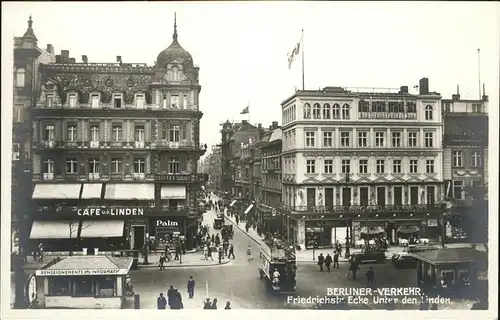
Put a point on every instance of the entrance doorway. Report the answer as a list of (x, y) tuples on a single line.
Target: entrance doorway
[(138, 237)]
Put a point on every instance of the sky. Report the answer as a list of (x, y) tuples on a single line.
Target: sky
[(241, 48)]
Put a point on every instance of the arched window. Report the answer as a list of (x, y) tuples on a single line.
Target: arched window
[(327, 111), (336, 111), (316, 111), (345, 111), (428, 112), (307, 111), (20, 78), (175, 74)]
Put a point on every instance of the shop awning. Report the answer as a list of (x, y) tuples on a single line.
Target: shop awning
[(249, 208), (45, 229), (129, 191), (173, 192), (91, 191), (57, 191), (372, 230), (232, 203), (102, 228), (408, 229)]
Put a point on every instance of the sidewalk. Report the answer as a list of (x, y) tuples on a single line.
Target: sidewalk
[(188, 260), (307, 255)]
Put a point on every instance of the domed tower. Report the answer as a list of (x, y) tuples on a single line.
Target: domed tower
[(175, 64)]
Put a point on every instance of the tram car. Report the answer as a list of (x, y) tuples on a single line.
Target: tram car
[(278, 266)]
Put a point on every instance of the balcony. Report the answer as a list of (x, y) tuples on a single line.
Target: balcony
[(374, 209), (48, 176), (138, 176), (180, 145), (387, 115), (94, 176), (185, 178), (110, 106), (139, 144)]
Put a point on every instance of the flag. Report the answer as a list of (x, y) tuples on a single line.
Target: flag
[(246, 110), (293, 54)]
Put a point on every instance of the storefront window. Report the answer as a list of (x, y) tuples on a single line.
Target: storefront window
[(59, 286), (106, 286), (319, 236)]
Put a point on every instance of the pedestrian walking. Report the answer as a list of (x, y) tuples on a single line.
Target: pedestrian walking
[(209, 254), (249, 254), (205, 252), (370, 277), (221, 255), (228, 306), (212, 238), (321, 261), (237, 219), (354, 267), (161, 302), (225, 247), (231, 251), (217, 240), (178, 300), (170, 296), (328, 261), (214, 304), (40, 252), (207, 304), (336, 260), (190, 287), (161, 262)]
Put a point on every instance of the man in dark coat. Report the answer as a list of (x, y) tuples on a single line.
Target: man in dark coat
[(207, 304), (354, 267), (190, 287), (328, 262), (170, 296), (221, 255), (231, 252), (161, 302), (321, 260), (178, 300), (336, 260)]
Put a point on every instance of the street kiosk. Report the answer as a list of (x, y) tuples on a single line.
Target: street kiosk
[(452, 272), (84, 282)]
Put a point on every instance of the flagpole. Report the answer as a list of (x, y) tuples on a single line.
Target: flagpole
[(303, 86)]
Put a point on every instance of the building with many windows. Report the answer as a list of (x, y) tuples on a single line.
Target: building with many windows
[(357, 164), (27, 57), (115, 150), (465, 167)]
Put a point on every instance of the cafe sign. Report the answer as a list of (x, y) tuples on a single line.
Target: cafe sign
[(168, 223), (82, 272), (115, 211)]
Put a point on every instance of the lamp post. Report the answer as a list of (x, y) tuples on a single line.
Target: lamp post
[(347, 238)]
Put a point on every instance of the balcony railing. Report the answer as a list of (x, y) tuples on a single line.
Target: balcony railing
[(106, 106), (388, 115), (119, 176), (339, 209), (88, 144)]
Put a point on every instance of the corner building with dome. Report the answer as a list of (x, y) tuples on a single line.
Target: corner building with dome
[(115, 148)]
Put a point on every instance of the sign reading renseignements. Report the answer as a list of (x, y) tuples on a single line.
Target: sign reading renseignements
[(84, 272)]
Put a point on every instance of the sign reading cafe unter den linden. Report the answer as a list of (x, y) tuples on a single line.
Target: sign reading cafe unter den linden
[(110, 212)]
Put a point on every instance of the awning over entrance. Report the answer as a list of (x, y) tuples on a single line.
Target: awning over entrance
[(372, 230), (232, 203), (173, 192), (408, 229), (57, 191), (88, 266), (92, 191), (54, 229), (249, 208), (102, 228), (129, 191)]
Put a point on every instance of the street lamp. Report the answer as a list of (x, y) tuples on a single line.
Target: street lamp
[(347, 238)]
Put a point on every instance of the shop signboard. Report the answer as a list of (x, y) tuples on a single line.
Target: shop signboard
[(80, 272), (111, 211), (166, 223)]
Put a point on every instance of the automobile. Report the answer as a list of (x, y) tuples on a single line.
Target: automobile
[(403, 260), (370, 253)]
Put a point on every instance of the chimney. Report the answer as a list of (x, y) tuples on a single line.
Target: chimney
[(85, 59), (64, 56), (50, 49), (259, 125), (424, 86), (275, 124), (119, 59), (485, 97), (403, 89), (456, 96), (72, 60), (58, 58)]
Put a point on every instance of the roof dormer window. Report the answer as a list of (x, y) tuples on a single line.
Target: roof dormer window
[(72, 100), (117, 100)]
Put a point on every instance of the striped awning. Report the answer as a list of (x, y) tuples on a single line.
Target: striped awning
[(232, 203), (249, 208), (130, 191), (57, 191)]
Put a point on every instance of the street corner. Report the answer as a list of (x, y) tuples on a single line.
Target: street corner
[(190, 264)]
